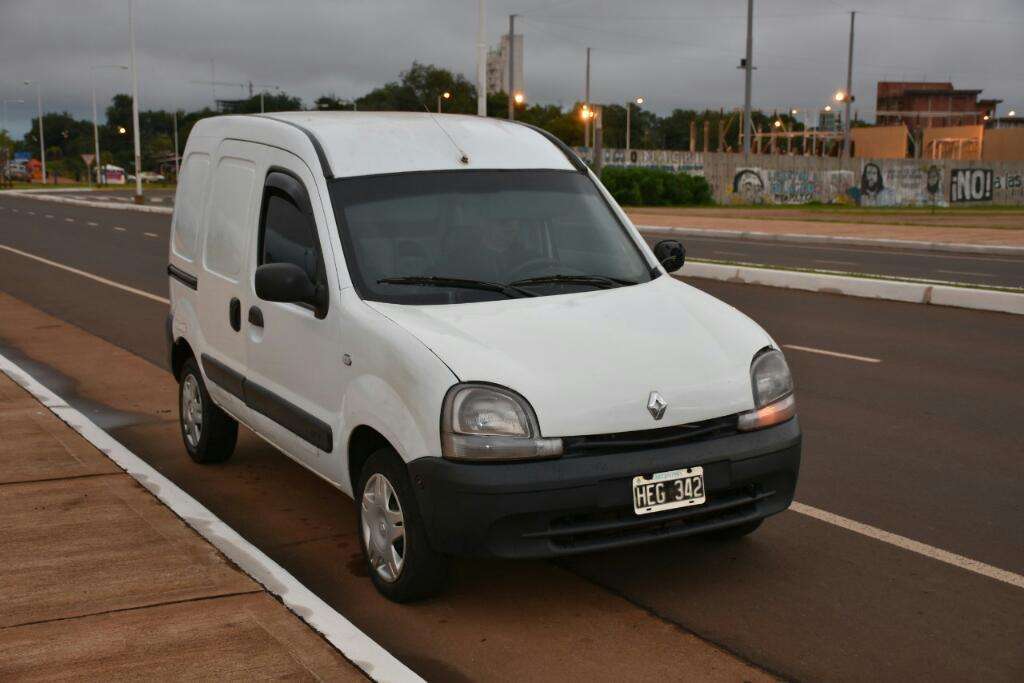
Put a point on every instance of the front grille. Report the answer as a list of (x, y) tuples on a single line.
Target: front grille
[(593, 531), (597, 444)]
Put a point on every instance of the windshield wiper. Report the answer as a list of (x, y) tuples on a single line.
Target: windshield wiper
[(511, 291), (595, 280)]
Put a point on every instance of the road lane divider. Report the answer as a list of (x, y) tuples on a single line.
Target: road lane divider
[(799, 238), (938, 293), (835, 354), (365, 653), (944, 556), (85, 274), (105, 204)]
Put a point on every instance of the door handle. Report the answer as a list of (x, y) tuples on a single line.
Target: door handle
[(255, 317), (235, 314)]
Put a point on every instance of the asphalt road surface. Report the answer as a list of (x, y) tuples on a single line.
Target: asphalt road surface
[(980, 270), (911, 416), (973, 269)]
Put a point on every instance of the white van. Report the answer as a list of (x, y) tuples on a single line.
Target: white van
[(450, 319)]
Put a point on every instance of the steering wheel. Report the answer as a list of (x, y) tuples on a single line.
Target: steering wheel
[(541, 265)]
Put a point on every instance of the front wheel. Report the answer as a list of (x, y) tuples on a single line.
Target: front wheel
[(400, 561)]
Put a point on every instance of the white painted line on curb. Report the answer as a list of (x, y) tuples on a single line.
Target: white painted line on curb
[(913, 546), (92, 223), (838, 263), (96, 278), (356, 646), (823, 352), (92, 203)]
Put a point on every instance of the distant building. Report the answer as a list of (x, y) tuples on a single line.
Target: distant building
[(927, 105), (829, 120), (497, 66)]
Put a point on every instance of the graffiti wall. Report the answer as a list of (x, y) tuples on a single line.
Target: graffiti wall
[(782, 179)]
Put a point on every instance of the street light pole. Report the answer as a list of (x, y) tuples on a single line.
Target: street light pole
[(176, 169), (135, 103), (586, 103), (511, 67), (849, 92), (629, 106), (748, 65), (481, 61)]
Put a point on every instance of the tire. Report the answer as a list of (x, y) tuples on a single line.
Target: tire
[(211, 438), (402, 568), (734, 532)]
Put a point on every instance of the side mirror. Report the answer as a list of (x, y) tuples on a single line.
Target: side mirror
[(670, 254), (287, 283)]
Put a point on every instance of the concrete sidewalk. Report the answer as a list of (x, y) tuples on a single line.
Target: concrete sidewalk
[(99, 580)]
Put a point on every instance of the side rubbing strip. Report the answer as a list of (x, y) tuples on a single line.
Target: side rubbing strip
[(573, 158), (324, 166), (293, 418), (184, 278), (224, 377)]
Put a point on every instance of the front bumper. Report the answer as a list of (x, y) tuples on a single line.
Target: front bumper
[(579, 503)]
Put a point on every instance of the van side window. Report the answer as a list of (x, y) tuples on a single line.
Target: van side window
[(288, 235)]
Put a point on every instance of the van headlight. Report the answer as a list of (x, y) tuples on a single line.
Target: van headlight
[(772, 385), (488, 422)]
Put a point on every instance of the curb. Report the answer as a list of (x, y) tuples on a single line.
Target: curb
[(38, 195), (796, 238), (364, 653), (890, 290)]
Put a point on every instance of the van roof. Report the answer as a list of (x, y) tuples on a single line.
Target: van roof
[(369, 143)]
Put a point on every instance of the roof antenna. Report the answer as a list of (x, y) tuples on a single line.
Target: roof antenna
[(463, 157)]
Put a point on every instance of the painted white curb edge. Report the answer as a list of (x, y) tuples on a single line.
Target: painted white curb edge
[(125, 206), (798, 238), (374, 660), (891, 290)]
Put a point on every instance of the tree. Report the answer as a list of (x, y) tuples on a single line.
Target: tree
[(418, 89)]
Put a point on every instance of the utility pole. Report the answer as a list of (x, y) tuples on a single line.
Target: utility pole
[(139, 199), (849, 92), (481, 62), (748, 66), (586, 104), (511, 67)]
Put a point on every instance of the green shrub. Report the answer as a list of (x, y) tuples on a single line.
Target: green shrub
[(655, 187)]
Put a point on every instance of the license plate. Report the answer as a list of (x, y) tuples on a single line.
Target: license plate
[(668, 490)]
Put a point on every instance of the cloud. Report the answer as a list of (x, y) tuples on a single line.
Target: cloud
[(675, 55)]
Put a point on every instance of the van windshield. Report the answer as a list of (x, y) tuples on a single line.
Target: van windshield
[(448, 237)]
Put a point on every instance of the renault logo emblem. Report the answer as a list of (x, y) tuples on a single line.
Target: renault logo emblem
[(656, 405)]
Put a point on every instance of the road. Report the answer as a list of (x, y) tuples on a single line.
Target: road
[(912, 429), (974, 269)]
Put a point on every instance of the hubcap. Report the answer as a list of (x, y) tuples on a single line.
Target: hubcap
[(383, 528), (191, 411)]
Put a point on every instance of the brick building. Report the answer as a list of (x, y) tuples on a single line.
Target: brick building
[(926, 105)]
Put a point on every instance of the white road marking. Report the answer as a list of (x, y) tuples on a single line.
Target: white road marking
[(69, 220), (31, 213), (731, 253), (959, 561), (14, 210), (95, 278), (356, 646), (49, 215), (119, 228), (823, 352), (92, 223), (965, 272), (150, 234)]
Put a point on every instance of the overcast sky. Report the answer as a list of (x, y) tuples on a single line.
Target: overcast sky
[(676, 53)]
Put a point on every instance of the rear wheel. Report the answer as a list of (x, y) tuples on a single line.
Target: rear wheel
[(400, 561), (209, 433), (734, 532)]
